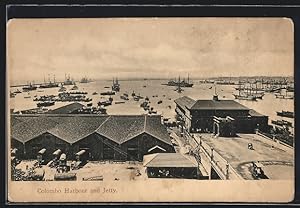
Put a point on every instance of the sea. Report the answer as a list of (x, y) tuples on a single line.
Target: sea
[(155, 91)]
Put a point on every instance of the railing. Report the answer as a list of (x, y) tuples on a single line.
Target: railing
[(220, 165), (273, 139)]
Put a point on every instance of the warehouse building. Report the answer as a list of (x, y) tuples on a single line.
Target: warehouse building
[(114, 137), (221, 117)]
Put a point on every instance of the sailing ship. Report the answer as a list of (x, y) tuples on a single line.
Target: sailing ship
[(29, 87), (116, 85), (284, 96), (225, 82), (68, 80), (182, 83), (17, 91), (179, 89), (85, 80), (49, 84), (245, 94)]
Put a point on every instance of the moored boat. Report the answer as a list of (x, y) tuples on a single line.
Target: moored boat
[(74, 87), (46, 103), (287, 114), (108, 93), (30, 87)]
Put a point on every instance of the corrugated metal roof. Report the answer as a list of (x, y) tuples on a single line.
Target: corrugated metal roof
[(167, 160)]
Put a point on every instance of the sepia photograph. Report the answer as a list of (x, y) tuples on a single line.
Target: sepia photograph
[(150, 109)]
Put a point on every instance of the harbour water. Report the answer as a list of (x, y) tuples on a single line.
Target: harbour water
[(167, 94)]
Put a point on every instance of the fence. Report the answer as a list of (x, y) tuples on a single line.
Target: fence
[(221, 166), (273, 139)]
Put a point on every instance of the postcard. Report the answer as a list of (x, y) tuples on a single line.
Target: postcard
[(150, 110)]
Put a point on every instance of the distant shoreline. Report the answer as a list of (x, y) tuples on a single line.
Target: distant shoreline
[(197, 78)]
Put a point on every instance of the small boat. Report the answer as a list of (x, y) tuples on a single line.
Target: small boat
[(104, 103), (12, 95), (74, 87), (119, 102), (144, 104), (287, 114), (124, 97), (152, 111), (46, 103), (282, 123), (245, 97), (40, 91), (17, 91), (106, 87), (62, 89), (108, 93), (279, 96), (78, 93)]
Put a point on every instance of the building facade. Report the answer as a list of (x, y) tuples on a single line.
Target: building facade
[(198, 116), (120, 138)]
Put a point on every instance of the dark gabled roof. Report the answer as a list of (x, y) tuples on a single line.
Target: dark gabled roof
[(28, 128), (209, 104), (218, 105), (185, 102), (67, 108), (122, 128), (255, 113), (167, 160), (74, 127), (153, 127)]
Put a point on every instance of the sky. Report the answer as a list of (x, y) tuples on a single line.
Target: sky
[(148, 48)]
